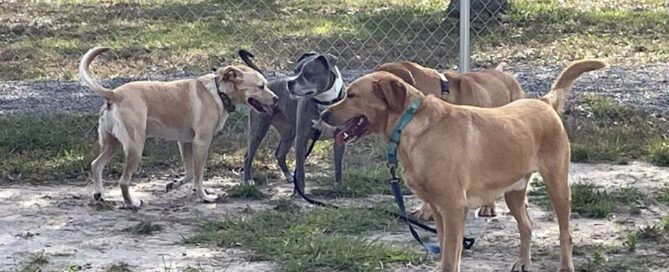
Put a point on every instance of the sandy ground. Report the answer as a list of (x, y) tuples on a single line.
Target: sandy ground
[(63, 222)]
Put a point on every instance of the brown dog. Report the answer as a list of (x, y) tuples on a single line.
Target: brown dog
[(190, 111), (459, 157), (485, 88)]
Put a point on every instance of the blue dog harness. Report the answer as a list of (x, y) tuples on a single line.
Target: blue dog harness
[(393, 145)]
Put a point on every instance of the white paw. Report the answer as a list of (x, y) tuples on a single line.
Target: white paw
[(249, 182), (209, 198)]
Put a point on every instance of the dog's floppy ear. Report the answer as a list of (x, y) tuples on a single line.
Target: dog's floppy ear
[(404, 74), (232, 74), (306, 55), (392, 91), (328, 60)]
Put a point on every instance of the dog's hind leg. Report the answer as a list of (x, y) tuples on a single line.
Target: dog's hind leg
[(186, 151), (338, 158), (258, 127), (557, 185), (133, 156), (200, 153), (515, 200), (108, 144)]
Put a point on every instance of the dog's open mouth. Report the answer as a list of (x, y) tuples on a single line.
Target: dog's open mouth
[(353, 129), (259, 107)]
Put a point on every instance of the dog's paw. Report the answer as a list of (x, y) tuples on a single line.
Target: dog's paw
[(518, 267), (249, 182), (134, 206), (423, 213), (210, 198), (487, 211), (98, 197), (289, 177)]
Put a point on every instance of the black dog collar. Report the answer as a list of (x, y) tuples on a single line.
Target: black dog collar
[(444, 86), (227, 103)]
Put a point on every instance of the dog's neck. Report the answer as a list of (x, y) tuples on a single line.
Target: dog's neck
[(332, 95), (393, 117), (218, 90)]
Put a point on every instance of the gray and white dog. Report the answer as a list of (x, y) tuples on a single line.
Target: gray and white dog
[(319, 83)]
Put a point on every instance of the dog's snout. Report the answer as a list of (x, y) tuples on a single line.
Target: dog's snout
[(325, 116)]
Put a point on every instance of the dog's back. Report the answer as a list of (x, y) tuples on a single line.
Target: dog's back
[(485, 88), (424, 79)]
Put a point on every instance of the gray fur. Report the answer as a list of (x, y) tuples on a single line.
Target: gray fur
[(294, 117)]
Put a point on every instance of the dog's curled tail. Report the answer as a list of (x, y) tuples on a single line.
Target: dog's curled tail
[(246, 56), (86, 75), (560, 90)]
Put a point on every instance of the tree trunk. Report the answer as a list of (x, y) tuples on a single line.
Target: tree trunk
[(479, 8)]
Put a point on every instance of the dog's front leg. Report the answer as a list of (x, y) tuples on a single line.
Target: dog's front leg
[(303, 131), (200, 153), (186, 151), (452, 235)]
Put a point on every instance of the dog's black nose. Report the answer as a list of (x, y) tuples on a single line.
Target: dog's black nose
[(275, 99), (325, 116)]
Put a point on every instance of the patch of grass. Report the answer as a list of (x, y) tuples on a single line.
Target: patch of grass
[(318, 240), (246, 191), (542, 32), (361, 182), (663, 197), (658, 233), (657, 152), (589, 200), (144, 228), (118, 267), (34, 263), (603, 130)]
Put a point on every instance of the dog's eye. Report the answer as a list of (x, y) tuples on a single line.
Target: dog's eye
[(262, 87), (350, 95)]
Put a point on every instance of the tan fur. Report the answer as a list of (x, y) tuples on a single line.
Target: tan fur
[(189, 111), (486, 88), (488, 152)]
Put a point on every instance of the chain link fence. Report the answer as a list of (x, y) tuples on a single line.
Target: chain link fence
[(164, 39), (46, 38)]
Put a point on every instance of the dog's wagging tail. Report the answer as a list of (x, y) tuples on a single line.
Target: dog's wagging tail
[(560, 90), (89, 81)]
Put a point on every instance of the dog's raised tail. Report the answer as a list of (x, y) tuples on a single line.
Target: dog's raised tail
[(246, 57), (86, 75), (561, 88)]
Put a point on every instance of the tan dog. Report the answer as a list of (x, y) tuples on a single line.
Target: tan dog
[(459, 157), (190, 111), (485, 88)]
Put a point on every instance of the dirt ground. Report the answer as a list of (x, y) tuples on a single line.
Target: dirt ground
[(62, 222)]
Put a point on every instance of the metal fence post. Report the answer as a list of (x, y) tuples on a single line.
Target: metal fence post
[(464, 36)]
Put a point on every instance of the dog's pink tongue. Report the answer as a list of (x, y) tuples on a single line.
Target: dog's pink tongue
[(339, 138)]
